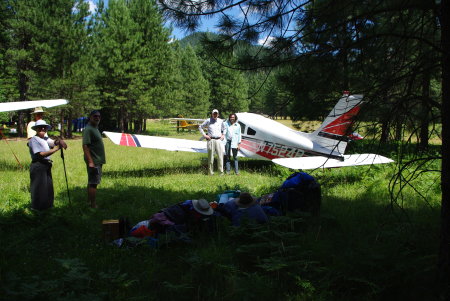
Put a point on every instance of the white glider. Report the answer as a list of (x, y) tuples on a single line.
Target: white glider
[(22, 105)]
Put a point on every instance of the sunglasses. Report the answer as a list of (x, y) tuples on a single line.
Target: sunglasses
[(42, 128)]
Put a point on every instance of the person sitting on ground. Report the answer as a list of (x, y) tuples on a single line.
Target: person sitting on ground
[(243, 207)]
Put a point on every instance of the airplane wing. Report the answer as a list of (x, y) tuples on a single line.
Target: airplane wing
[(170, 144), (324, 162), (22, 105), (189, 119)]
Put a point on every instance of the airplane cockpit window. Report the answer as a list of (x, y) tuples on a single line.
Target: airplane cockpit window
[(251, 131), (242, 127)]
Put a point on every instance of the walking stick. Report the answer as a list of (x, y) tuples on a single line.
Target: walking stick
[(65, 174)]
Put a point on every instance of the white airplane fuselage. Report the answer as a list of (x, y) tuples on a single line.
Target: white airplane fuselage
[(264, 138)]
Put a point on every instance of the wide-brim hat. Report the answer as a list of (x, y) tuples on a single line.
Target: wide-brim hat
[(40, 123), (38, 110), (202, 206), (245, 200)]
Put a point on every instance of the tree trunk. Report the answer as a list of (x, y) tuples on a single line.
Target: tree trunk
[(23, 89), (121, 120), (384, 131), (69, 125), (61, 131), (425, 120), (444, 250)]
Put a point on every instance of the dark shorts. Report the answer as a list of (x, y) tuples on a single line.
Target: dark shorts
[(94, 174)]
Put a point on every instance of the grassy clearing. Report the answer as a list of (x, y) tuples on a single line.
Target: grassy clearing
[(359, 249)]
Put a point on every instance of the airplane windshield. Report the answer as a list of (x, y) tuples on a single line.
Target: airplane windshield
[(251, 131), (242, 127)]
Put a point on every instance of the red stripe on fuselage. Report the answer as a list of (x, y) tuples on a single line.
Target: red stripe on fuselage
[(127, 140), (271, 150)]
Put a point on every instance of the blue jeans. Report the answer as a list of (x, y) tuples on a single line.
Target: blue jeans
[(228, 151)]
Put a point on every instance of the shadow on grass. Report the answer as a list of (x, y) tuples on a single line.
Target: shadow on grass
[(255, 166), (354, 251)]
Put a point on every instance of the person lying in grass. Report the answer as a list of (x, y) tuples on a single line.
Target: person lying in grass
[(242, 208)]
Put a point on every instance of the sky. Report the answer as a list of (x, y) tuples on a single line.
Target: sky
[(207, 25), (177, 33)]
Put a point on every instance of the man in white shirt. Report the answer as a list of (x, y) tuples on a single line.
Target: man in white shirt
[(38, 114), (214, 137)]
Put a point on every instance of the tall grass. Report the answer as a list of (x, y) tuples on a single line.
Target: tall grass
[(362, 247)]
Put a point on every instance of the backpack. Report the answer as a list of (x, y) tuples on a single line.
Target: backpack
[(299, 191)]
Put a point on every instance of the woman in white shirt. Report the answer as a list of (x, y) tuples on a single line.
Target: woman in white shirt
[(41, 148), (233, 141)]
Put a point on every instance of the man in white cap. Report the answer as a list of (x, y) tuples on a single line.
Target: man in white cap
[(214, 137), (38, 114)]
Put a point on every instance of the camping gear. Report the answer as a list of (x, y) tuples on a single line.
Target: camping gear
[(300, 191), (110, 229)]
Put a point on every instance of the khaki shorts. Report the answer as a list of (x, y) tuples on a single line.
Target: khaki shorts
[(94, 174)]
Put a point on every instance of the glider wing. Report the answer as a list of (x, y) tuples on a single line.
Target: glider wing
[(22, 105), (170, 144)]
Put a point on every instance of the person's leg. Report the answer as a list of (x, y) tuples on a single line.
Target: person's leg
[(227, 156), (37, 180), (235, 159), (92, 191), (50, 193), (219, 150), (94, 178), (210, 147)]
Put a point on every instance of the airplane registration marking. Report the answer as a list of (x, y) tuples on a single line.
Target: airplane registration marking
[(271, 150)]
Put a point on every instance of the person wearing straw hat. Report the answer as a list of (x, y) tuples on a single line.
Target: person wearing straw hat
[(185, 216), (37, 114), (243, 207), (41, 183)]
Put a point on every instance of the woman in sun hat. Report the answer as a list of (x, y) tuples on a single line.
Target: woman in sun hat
[(41, 148), (243, 207)]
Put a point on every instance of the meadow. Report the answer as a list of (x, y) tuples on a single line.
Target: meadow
[(361, 247)]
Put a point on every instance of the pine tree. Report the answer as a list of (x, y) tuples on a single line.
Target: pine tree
[(195, 88)]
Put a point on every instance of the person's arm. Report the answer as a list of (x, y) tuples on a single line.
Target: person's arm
[(87, 154), (30, 131), (201, 126), (50, 152), (239, 136), (61, 143), (222, 130)]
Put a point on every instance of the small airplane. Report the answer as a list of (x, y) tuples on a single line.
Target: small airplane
[(264, 138), (22, 105), (187, 123)]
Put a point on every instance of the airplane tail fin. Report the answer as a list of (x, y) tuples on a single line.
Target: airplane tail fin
[(334, 131)]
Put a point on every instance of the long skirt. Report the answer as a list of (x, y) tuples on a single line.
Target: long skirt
[(42, 195)]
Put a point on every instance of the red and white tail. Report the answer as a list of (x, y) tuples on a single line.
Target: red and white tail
[(334, 131)]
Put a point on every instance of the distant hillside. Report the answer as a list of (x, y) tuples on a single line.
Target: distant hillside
[(195, 38), (243, 48)]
